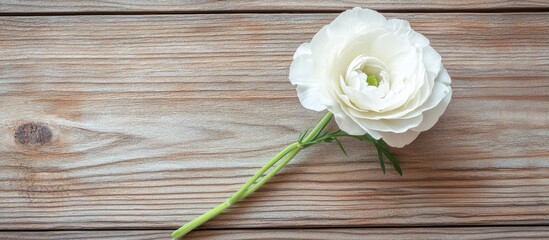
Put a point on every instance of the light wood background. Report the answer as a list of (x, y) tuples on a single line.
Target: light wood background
[(145, 114)]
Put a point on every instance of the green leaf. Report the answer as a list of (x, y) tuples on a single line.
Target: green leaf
[(322, 135), (366, 138), (302, 135), (380, 156), (393, 160), (318, 135), (342, 149), (383, 144)]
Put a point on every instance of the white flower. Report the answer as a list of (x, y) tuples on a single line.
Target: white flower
[(376, 76)]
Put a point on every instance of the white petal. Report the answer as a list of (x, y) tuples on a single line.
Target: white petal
[(392, 125), (304, 49), (431, 116), (334, 37), (404, 61), (345, 122), (358, 100), (388, 45), (438, 93), (302, 71), (309, 89), (402, 29), (399, 139), (311, 98), (355, 20), (360, 45), (444, 77), (432, 62)]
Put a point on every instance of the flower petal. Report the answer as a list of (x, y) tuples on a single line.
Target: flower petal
[(303, 49), (392, 125), (355, 21), (403, 30), (345, 122), (311, 98), (309, 89), (334, 37), (440, 90), (432, 62), (399, 139), (431, 116)]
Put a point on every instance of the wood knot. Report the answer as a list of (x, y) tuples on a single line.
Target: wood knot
[(33, 134)]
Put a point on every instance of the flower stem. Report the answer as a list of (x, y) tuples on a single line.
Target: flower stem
[(270, 174), (200, 220), (319, 127), (247, 188), (234, 198), (258, 174)]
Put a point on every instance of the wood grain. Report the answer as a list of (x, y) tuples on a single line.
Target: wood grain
[(461, 233), (155, 119), (72, 6)]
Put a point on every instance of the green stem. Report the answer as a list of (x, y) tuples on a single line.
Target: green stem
[(245, 190), (319, 127), (234, 198), (260, 173), (200, 220), (271, 174)]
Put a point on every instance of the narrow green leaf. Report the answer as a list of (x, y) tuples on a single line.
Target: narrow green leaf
[(383, 144), (367, 138), (302, 136), (322, 135), (342, 149), (393, 160), (317, 135), (380, 156)]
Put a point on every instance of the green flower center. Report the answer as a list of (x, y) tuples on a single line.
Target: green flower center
[(372, 80)]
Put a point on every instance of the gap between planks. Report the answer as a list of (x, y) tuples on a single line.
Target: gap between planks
[(283, 228), (334, 233), (228, 12)]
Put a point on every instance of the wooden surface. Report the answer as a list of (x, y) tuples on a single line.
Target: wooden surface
[(127, 126)]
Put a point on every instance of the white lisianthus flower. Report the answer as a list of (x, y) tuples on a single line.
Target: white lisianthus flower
[(376, 76)]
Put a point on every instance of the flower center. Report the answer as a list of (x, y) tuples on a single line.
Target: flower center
[(368, 75), (372, 81)]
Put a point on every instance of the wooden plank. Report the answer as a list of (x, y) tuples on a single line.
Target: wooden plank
[(148, 121), (461, 233), (72, 6)]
